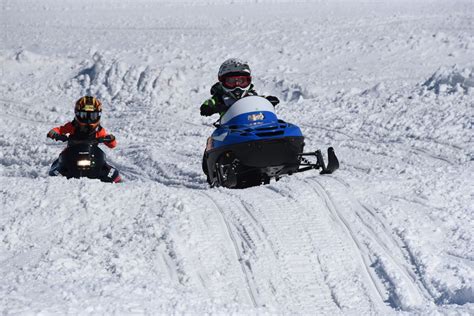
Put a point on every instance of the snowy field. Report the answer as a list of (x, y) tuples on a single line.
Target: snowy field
[(389, 84)]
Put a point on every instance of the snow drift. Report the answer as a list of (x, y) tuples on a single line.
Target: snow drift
[(450, 80)]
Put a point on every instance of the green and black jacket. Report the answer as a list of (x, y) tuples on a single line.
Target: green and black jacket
[(220, 101)]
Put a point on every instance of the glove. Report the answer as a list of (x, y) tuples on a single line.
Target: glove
[(52, 134), (210, 107), (205, 109), (109, 138), (56, 136), (62, 138), (273, 100), (221, 107)]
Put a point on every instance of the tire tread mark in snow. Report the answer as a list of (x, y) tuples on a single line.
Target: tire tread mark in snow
[(297, 250), (321, 266), (412, 277), (268, 254), (376, 286), (418, 272), (247, 208), (393, 298), (242, 264)]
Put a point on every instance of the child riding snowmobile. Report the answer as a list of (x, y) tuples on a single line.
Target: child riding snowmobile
[(84, 130), (235, 83), (250, 144)]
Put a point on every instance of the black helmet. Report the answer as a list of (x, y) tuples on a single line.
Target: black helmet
[(88, 111)]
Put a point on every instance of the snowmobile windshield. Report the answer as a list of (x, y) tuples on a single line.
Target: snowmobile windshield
[(250, 110)]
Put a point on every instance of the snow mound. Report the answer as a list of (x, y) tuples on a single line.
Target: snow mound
[(376, 91), (451, 79), (289, 90), (114, 80), (125, 84)]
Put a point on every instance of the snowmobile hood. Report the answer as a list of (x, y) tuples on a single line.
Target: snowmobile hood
[(251, 110)]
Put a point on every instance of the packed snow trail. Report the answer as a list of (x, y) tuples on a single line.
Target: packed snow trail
[(389, 84)]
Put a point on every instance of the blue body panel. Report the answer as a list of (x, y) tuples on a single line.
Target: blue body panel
[(253, 126)]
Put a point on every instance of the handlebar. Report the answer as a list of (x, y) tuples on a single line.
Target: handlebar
[(85, 141)]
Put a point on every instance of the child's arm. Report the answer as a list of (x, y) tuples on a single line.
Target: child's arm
[(210, 106), (101, 133), (59, 133)]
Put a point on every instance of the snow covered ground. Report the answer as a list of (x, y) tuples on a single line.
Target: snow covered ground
[(389, 84)]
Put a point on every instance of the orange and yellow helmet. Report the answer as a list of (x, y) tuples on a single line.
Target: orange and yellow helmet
[(88, 111)]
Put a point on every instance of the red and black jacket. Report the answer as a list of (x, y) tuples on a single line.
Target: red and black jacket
[(78, 132)]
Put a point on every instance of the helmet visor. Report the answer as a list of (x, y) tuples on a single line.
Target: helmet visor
[(88, 117), (232, 82)]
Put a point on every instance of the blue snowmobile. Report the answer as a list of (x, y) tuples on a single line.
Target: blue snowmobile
[(250, 146)]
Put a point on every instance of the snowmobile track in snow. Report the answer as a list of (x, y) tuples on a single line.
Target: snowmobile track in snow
[(377, 288), (376, 242), (303, 259), (250, 287), (296, 253)]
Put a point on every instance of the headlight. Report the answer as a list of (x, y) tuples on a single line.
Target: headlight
[(83, 163)]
